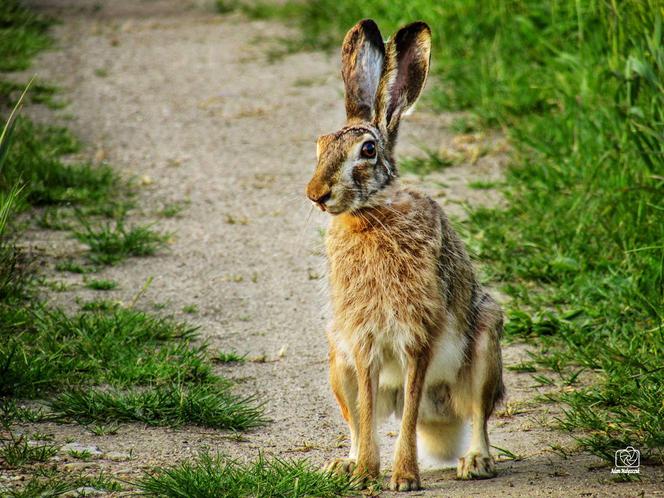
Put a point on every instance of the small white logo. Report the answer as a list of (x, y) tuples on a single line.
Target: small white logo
[(627, 461)]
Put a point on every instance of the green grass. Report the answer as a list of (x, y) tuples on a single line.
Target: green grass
[(579, 88), (84, 455), (35, 160), (40, 93), (22, 35), (73, 267), (156, 374), (18, 451), (422, 166), (230, 357), (173, 209), (219, 477), (172, 405), (191, 309), (102, 429), (11, 412), (483, 185), (101, 284), (15, 274), (56, 218), (113, 242), (50, 485), (45, 350)]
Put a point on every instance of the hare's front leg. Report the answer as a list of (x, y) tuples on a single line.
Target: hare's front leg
[(368, 457), (406, 474)]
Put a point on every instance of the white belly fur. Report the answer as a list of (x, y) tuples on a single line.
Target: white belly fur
[(390, 355), (445, 364)]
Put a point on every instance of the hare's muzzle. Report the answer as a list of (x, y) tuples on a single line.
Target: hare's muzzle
[(319, 194)]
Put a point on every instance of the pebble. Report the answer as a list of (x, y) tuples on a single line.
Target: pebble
[(117, 456)]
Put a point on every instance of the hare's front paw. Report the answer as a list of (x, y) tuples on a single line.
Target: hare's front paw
[(344, 466), (404, 481), (476, 466)]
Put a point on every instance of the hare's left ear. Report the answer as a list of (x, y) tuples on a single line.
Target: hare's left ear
[(362, 56), (406, 67)]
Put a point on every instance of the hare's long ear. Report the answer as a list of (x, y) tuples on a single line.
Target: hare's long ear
[(406, 67), (362, 58)]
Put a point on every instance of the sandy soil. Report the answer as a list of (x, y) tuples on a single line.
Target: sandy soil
[(190, 103)]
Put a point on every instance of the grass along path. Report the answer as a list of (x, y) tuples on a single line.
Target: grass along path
[(230, 138)]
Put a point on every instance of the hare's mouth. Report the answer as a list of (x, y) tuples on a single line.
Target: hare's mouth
[(332, 209)]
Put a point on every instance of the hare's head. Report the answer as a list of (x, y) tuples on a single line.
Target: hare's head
[(382, 82)]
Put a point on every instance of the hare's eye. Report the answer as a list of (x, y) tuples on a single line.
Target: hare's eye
[(368, 149)]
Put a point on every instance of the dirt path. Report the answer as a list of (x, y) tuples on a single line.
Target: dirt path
[(188, 102)]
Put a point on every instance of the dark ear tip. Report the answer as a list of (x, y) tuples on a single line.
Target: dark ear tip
[(414, 29), (367, 23), (371, 32)]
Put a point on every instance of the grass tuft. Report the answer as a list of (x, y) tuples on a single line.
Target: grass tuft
[(45, 350), (172, 405), (216, 476), (22, 35), (101, 284), (73, 267), (15, 276), (18, 451), (113, 242), (230, 357), (11, 412), (50, 486), (34, 161), (155, 374)]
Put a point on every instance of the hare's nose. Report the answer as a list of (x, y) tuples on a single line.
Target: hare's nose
[(320, 198)]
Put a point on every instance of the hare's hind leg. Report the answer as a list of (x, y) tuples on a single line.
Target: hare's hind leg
[(485, 389), (344, 386)]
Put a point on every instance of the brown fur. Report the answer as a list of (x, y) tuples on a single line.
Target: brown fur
[(413, 332)]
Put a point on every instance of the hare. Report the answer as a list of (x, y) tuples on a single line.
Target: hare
[(413, 333)]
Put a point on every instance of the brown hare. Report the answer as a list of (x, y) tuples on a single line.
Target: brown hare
[(413, 333)]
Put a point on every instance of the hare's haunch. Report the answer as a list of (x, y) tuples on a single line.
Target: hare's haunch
[(413, 333)]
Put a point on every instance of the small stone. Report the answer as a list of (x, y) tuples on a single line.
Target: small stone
[(116, 456)]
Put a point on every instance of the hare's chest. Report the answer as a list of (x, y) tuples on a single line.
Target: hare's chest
[(383, 284)]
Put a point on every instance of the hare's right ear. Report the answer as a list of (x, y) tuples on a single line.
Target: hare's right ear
[(406, 69), (362, 58)]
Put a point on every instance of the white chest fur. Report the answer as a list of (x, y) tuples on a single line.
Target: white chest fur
[(389, 355)]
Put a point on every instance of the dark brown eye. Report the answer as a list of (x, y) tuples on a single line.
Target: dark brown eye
[(368, 149)]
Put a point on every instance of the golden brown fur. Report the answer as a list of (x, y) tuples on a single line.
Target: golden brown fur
[(413, 334)]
